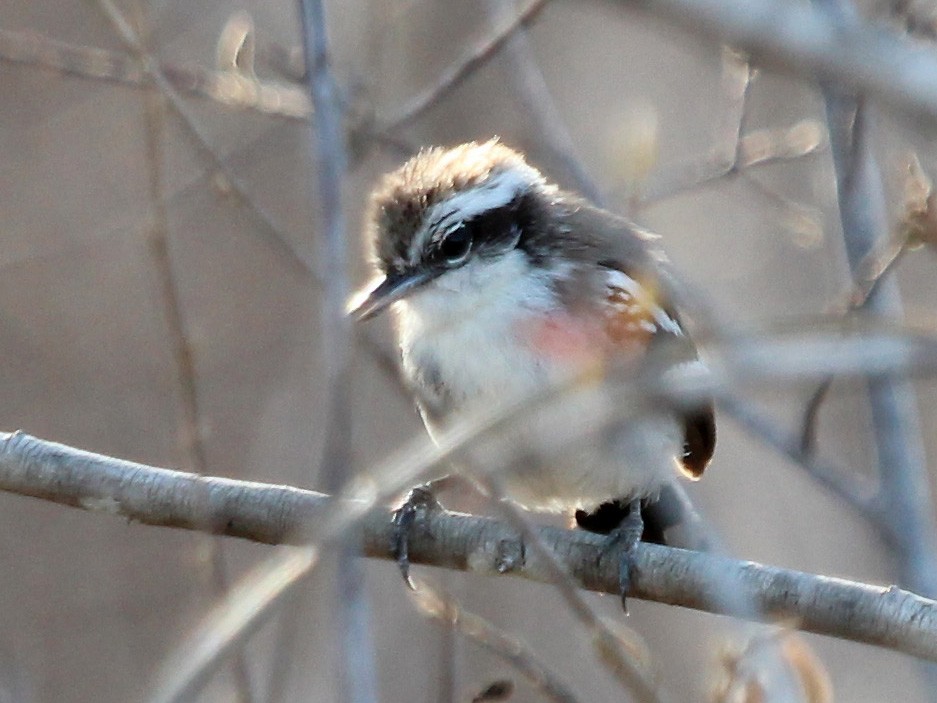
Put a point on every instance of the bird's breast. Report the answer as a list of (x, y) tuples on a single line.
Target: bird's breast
[(483, 339)]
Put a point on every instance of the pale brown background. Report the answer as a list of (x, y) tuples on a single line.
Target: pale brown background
[(90, 606)]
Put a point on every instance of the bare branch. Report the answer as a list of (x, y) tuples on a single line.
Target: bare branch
[(760, 148), (228, 88), (806, 41), (441, 607), (901, 454), (357, 668), (129, 37), (453, 77), (886, 617)]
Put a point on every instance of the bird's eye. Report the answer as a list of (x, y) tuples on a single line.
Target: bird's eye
[(455, 248)]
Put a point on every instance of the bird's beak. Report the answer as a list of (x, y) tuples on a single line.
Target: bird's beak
[(368, 302)]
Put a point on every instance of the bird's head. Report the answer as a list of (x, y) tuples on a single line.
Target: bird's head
[(450, 212)]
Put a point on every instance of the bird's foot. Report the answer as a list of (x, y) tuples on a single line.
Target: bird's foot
[(407, 517), (626, 536)]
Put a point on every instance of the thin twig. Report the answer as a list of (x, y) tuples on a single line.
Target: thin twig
[(869, 271), (617, 652), (442, 607), (760, 148), (905, 482), (530, 89), (183, 354), (456, 74), (357, 676), (269, 228), (227, 88), (737, 77), (887, 617)]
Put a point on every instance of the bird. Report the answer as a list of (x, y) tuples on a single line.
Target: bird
[(502, 283)]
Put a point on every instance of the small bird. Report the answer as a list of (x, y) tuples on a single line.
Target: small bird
[(501, 283)]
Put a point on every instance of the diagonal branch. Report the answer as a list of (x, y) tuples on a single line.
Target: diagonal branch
[(440, 606), (885, 617), (130, 39), (805, 41), (228, 88), (456, 74)]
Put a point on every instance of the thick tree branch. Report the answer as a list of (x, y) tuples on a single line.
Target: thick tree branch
[(886, 617)]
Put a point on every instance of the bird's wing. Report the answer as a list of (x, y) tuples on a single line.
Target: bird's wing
[(637, 314), (620, 268)]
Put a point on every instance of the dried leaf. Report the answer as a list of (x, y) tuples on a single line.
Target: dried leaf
[(745, 678), (919, 223)]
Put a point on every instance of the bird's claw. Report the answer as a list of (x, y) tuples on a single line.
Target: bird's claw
[(626, 536), (411, 513)]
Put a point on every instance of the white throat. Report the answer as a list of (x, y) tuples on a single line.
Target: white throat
[(468, 326)]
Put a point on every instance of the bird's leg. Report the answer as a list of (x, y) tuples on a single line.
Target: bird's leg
[(627, 535), (407, 517)]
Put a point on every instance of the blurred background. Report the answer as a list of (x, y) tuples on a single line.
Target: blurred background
[(136, 237)]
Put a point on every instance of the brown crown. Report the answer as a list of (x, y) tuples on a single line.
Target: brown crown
[(401, 200)]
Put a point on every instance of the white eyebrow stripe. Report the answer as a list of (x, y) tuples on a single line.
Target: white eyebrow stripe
[(499, 190)]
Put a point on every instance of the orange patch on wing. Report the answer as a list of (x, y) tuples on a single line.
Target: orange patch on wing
[(629, 320), (617, 331)]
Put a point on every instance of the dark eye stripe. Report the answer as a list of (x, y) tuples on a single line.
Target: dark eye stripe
[(489, 232)]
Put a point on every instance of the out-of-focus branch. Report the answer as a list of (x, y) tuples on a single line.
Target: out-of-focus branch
[(759, 148), (618, 653), (807, 41), (905, 485), (229, 88), (846, 486), (248, 606), (886, 617), (191, 430), (236, 185), (530, 89), (440, 606), (867, 274), (917, 226), (476, 57), (904, 480), (356, 665)]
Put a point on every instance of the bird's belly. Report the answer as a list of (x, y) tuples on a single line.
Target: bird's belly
[(626, 461), (579, 467), (482, 362)]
